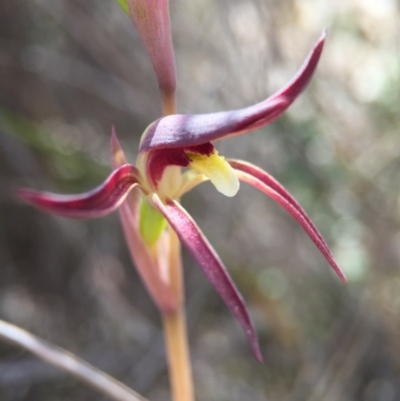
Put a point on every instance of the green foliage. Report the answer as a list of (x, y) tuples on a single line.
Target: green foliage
[(25, 130)]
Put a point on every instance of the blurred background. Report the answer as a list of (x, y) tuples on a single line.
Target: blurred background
[(69, 69)]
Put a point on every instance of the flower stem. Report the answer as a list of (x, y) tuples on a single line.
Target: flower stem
[(178, 356), (168, 103), (175, 332)]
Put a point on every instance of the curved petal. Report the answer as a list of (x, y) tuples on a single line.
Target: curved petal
[(271, 182), (267, 184), (100, 201), (189, 130), (210, 263)]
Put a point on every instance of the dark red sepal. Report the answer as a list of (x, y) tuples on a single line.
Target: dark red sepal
[(202, 251), (96, 203), (190, 130), (263, 181)]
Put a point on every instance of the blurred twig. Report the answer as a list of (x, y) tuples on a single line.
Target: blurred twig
[(69, 363)]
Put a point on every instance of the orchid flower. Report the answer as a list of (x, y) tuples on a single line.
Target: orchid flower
[(176, 154)]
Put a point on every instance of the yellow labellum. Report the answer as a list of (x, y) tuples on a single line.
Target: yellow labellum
[(218, 170)]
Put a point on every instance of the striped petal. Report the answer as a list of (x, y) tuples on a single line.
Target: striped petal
[(210, 263), (190, 130), (267, 184), (99, 202)]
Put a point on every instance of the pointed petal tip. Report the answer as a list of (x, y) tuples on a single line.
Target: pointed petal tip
[(32, 197), (321, 41), (118, 157), (329, 257), (115, 145), (254, 344), (113, 132), (264, 182), (252, 340), (255, 347), (336, 268), (341, 275), (26, 194), (339, 272)]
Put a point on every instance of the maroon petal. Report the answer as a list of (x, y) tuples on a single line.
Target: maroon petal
[(100, 201), (267, 184), (210, 263), (190, 130)]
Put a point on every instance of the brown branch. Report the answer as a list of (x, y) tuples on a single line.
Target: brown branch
[(68, 362)]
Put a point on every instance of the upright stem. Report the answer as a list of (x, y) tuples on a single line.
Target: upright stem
[(175, 330), (180, 371), (168, 103)]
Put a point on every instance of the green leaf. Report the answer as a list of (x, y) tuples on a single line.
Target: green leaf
[(124, 5)]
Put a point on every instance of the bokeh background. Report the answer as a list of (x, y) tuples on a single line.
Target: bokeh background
[(69, 69)]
